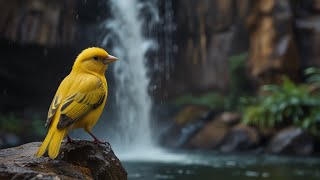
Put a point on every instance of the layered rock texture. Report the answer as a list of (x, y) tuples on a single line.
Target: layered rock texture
[(78, 160)]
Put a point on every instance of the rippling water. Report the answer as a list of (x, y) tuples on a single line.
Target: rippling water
[(210, 165)]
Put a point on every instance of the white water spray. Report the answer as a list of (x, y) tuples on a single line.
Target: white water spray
[(126, 34)]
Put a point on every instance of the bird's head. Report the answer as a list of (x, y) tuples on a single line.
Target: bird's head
[(94, 59)]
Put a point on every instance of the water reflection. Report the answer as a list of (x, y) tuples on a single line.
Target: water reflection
[(208, 165)]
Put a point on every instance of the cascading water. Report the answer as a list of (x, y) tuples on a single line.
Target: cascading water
[(133, 21), (126, 34)]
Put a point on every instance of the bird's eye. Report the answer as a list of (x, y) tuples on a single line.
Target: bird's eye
[(95, 57)]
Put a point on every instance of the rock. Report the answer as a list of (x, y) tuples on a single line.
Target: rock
[(307, 31), (291, 140), (11, 139), (205, 34), (187, 123), (240, 137), (79, 160), (210, 136), (230, 118), (8, 139), (190, 113), (273, 49)]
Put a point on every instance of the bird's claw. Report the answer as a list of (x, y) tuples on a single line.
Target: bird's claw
[(96, 141), (70, 140)]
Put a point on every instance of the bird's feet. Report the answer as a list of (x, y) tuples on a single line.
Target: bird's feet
[(69, 140), (97, 141)]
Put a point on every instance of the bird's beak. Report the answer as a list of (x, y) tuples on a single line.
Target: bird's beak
[(110, 59)]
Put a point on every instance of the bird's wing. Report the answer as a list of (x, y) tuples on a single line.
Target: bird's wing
[(56, 101), (86, 96), (53, 109)]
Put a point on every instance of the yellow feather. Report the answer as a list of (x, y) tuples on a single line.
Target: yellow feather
[(55, 142), (82, 96), (44, 145)]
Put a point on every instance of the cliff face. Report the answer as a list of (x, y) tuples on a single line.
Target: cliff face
[(281, 37), (39, 22), (49, 23), (207, 33), (273, 49)]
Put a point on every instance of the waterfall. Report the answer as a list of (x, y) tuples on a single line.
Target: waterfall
[(127, 38)]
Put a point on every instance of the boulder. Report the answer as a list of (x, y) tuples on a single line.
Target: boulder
[(291, 140), (210, 136), (78, 160), (231, 118), (186, 124), (240, 137), (190, 113), (9, 139)]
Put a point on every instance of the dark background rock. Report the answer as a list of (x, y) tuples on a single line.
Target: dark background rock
[(291, 140), (185, 126), (210, 136), (240, 138), (79, 160)]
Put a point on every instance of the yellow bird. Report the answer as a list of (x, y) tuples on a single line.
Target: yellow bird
[(79, 100)]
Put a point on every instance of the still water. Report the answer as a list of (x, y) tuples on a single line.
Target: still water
[(211, 165)]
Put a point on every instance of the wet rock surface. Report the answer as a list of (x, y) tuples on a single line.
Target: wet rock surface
[(79, 160), (210, 136), (239, 138), (291, 141), (187, 123)]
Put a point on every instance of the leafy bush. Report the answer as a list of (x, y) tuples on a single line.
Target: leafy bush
[(286, 104)]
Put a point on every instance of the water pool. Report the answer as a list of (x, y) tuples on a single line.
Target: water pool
[(211, 165)]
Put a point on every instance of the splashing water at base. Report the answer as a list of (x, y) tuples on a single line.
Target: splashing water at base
[(126, 35)]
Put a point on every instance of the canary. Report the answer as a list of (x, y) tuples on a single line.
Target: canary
[(79, 100)]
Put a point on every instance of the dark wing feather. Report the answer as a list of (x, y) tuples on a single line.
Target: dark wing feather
[(78, 105), (53, 109)]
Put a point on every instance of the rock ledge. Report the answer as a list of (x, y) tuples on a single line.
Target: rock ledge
[(79, 160)]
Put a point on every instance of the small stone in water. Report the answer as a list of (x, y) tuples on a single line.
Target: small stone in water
[(252, 174)]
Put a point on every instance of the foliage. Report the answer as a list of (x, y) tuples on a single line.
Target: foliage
[(239, 82), (313, 75), (38, 125), (212, 100), (286, 104), (12, 123)]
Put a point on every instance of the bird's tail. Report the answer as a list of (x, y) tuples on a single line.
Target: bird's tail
[(52, 142)]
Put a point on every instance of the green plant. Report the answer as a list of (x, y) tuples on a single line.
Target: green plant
[(283, 105), (212, 100), (313, 75), (239, 82), (37, 125), (11, 123)]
